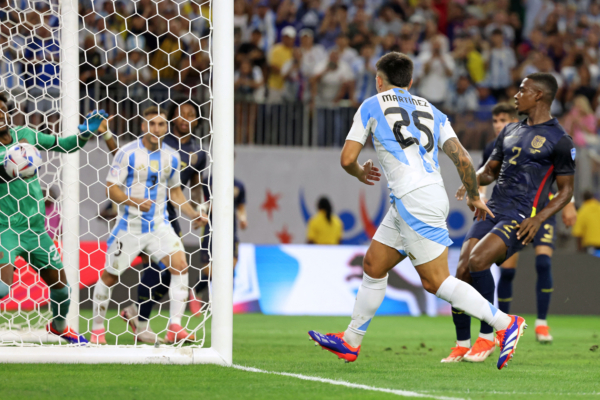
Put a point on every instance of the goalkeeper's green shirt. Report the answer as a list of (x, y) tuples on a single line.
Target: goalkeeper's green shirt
[(21, 200)]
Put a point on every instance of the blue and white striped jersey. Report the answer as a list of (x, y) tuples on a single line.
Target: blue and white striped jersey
[(148, 175), (407, 132)]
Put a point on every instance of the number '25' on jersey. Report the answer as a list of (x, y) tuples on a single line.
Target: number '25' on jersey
[(532, 157), (407, 133)]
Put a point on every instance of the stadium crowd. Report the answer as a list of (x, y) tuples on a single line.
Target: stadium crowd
[(469, 54)]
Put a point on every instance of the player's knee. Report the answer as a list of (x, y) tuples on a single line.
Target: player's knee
[(478, 262), (370, 267), (179, 266), (430, 285)]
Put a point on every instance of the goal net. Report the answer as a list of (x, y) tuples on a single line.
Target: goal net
[(151, 66)]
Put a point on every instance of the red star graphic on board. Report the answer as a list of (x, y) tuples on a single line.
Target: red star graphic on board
[(270, 203), (284, 236)]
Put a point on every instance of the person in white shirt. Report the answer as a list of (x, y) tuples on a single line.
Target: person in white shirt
[(332, 79), (143, 177)]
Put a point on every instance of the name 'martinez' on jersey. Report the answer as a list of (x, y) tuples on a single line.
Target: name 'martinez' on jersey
[(148, 175), (407, 132)]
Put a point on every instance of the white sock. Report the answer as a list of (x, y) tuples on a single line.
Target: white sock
[(541, 322), (464, 343), (487, 336), (464, 297), (369, 298), (101, 298), (178, 291)]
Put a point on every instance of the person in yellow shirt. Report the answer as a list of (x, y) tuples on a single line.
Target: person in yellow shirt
[(587, 227), (325, 227), (279, 55)]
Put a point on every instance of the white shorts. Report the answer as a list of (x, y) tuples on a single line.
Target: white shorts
[(415, 225), (124, 247)]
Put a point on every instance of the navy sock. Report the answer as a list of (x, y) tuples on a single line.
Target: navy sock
[(202, 284), (462, 324), (505, 288), (483, 282), (543, 266), (153, 286)]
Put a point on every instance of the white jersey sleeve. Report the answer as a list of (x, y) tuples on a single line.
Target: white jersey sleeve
[(119, 169), (174, 175), (360, 132), (446, 132)]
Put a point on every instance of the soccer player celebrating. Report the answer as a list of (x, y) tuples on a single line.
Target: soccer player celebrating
[(528, 157), (22, 218), (156, 281), (144, 176), (407, 131), (484, 346)]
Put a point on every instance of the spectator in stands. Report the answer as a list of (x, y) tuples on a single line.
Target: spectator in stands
[(248, 79), (580, 122), (286, 16), (333, 80), (264, 21), (365, 76), (325, 227), (464, 99), (388, 22), (501, 61), (500, 23), (587, 227), (468, 60), (334, 24), (295, 84), (252, 51), (312, 54), (347, 53), (310, 15), (281, 53), (486, 103), (438, 68)]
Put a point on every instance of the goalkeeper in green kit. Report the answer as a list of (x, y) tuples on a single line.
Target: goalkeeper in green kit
[(22, 217)]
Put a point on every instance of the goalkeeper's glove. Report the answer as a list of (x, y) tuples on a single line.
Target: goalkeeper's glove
[(92, 123)]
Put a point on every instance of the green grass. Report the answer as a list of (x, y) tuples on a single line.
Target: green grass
[(398, 353)]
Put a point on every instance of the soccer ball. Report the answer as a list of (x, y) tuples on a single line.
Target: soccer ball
[(22, 160)]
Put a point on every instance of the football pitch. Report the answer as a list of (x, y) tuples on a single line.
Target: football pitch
[(400, 357)]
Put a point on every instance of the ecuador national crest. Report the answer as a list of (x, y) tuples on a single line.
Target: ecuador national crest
[(538, 141)]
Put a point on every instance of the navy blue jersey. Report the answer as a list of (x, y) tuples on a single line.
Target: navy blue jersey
[(487, 152), (239, 197), (532, 157), (193, 161)]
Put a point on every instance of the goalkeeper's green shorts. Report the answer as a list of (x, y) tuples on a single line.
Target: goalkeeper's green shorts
[(35, 247)]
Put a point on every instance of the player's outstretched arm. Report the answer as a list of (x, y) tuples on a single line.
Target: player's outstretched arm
[(485, 176), (367, 173), (530, 226), (464, 165)]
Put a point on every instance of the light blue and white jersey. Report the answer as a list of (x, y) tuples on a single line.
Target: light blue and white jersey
[(147, 175), (407, 132)]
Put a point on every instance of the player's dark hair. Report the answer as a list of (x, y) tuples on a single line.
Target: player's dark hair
[(152, 110), (396, 68), (588, 195), (176, 105), (325, 205), (547, 84), (3, 97), (505, 108)]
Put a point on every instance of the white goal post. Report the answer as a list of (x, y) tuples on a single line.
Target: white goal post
[(222, 131)]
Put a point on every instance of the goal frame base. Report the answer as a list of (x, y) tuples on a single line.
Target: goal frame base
[(110, 355)]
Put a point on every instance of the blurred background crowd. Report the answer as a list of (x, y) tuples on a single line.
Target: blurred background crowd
[(302, 67)]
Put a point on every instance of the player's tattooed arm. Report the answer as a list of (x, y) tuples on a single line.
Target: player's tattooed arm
[(464, 165)]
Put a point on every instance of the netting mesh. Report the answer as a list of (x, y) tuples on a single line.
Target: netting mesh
[(132, 55)]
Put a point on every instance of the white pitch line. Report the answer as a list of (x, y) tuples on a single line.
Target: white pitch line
[(404, 393)]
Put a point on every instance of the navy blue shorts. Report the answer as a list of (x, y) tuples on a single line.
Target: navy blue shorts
[(504, 227), (546, 235)]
